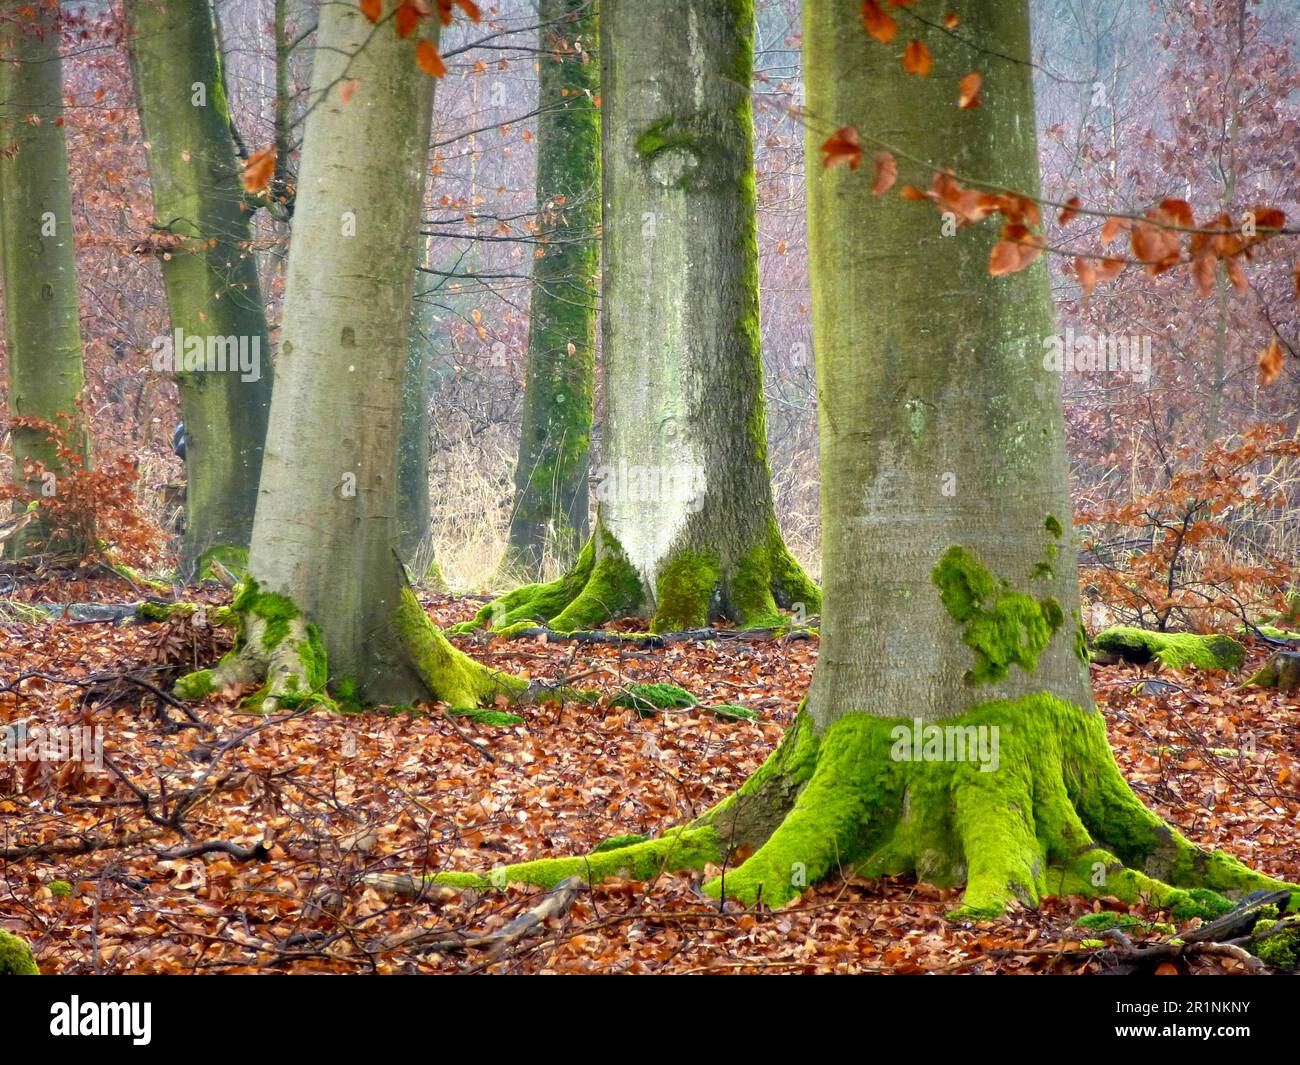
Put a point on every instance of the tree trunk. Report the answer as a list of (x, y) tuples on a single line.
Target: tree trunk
[(325, 536), (414, 510), (219, 346), (950, 731), (686, 528), (551, 497), (42, 316)]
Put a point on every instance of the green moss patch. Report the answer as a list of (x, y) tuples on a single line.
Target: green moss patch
[(1177, 650), (648, 699), (1002, 626), (16, 957)]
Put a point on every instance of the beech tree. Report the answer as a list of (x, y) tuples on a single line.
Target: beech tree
[(685, 526), (951, 620), (551, 497), (326, 597), (42, 310), (219, 346), (414, 506)]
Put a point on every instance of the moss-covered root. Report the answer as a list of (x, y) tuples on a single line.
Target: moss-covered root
[(694, 586), (16, 957), (1177, 650), (1017, 800), (601, 585), (677, 849), (274, 646), (221, 616), (450, 675), (535, 604)]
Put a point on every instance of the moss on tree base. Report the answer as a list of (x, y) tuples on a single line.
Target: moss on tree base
[(1177, 650), (1015, 800), (691, 588), (283, 652)]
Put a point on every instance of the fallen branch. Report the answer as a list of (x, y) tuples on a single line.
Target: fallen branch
[(82, 845), (555, 904)]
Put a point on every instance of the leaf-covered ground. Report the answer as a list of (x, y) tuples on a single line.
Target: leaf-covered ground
[(306, 805)]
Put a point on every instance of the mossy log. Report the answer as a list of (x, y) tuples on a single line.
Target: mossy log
[(1177, 650)]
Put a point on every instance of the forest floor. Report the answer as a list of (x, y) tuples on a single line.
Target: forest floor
[(306, 804)]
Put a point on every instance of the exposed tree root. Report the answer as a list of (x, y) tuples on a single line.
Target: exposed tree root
[(653, 640), (1017, 800), (283, 652), (691, 588)]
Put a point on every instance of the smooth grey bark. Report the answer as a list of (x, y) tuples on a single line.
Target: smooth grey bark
[(940, 426), (685, 490), (325, 534)]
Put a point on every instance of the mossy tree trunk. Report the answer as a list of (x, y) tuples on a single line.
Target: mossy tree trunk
[(202, 228), (42, 317), (949, 732), (686, 528), (551, 496), (325, 542)]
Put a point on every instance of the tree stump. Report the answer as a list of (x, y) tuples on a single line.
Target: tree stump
[(1282, 672)]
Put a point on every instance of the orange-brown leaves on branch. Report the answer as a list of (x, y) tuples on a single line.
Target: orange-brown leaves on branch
[(1017, 249), (886, 173), (1270, 362), (470, 9), (429, 59), (881, 26), (917, 59), (408, 17), (844, 146), (259, 168), (1086, 273)]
